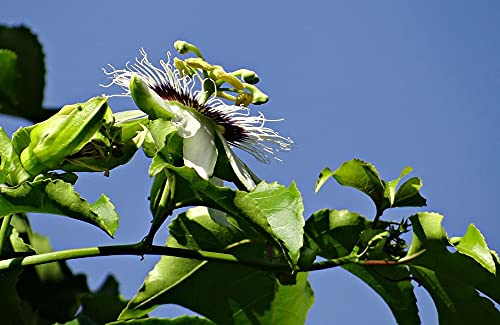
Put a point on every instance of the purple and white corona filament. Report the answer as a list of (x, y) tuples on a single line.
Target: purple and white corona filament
[(199, 121)]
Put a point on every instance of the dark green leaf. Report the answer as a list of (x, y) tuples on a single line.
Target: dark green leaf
[(408, 194), (334, 233), (30, 74), (105, 304), (456, 302), (227, 294), (41, 294), (49, 195), (13, 309), (8, 78)]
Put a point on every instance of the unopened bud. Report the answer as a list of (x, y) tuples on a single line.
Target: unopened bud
[(184, 47)]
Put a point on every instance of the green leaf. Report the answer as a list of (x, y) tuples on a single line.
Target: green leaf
[(11, 170), (104, 305), (13, 309), (336, 233), (41, 294), (408, 194), (49, 195), (458, 268), (473, 245), (225, 293), (364, 177), (390, 187), (25, 100), (279, 207), (8, 77), (456, 302), (273, 209), (182, 320)]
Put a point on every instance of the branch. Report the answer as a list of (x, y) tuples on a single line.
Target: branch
[(403, 260), (140, 249)]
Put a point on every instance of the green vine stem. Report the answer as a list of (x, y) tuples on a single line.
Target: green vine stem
[(140, 249)]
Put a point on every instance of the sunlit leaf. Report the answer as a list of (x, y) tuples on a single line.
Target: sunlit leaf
[(279, 207), (364, 177), (54, 196), (473, 245), (227, 294), (390, 187)]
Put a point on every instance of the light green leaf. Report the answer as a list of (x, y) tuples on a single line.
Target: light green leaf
[(11, 170), (364, 177), (279, 207), (50, 195), (227, 294), (473, 244), (390, 187)]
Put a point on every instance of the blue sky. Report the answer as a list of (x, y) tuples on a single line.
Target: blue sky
[(395, 83)]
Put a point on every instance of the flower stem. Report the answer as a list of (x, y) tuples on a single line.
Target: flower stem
[(3, 231)]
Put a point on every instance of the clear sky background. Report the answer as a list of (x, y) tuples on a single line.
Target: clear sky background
[(395, 83)]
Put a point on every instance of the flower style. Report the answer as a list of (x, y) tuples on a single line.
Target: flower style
[(200, 121)]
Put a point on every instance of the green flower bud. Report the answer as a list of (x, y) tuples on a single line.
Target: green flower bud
[(147, 100), (248, 76), (63, 134)]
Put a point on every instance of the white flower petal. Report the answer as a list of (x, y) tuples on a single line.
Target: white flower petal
[(239, 168), (187, 123), (200, 152)]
